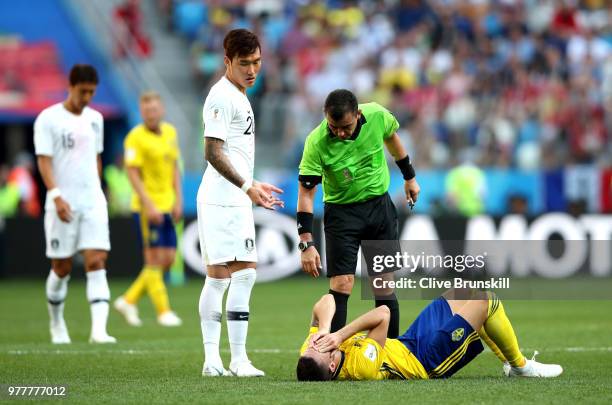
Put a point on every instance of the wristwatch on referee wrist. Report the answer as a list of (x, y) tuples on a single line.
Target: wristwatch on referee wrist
[(303, 245)]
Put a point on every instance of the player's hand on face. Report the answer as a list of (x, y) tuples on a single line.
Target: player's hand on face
[(258, 194), (316, 336), (412, 190), (328, 343), (311, 261), (153, 215), (63, 209)]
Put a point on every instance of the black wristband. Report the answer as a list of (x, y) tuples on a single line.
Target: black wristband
[(309, 182), (406, 168), (304, 222)]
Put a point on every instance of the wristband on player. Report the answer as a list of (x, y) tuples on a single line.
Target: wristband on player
[(246, 186), (304, 222), (54, 193), (406, 168)]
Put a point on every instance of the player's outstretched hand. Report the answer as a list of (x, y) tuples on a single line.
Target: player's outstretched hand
[(269, 188), (153, 215), (412, 190), (311, 261), (63, 209), (261, 195), (328, 343)]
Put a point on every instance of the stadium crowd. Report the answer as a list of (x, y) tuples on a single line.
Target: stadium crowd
[(508, 84)]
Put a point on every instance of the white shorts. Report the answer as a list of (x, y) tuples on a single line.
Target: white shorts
[(88, 229), (227, 234)]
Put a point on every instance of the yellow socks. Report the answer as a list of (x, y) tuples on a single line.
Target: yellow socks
[(491, 344), (498, 334), (157, 289), (138, 287)]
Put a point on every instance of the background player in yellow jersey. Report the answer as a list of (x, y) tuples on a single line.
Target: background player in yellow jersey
[(152, 161), (445, 337)]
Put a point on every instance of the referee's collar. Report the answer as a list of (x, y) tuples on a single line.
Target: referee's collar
[(362, 120)]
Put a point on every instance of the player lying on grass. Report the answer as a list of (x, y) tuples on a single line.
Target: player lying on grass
[(444, 337)]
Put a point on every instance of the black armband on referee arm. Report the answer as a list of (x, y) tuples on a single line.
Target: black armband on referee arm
[(309, 182), (304, 222), (406, 168)]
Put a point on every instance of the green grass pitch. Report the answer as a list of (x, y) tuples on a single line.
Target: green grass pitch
[(152, 364)]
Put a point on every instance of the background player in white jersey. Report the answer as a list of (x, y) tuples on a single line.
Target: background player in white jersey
[(225, 198), (68, 138)]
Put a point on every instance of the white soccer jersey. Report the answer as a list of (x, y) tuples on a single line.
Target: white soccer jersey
[(73, 142), (228, 116)]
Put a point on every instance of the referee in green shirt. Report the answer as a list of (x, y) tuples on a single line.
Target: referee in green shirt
[(345, 153)]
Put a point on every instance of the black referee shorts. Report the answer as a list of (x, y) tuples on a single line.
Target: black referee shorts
[(346, 225)]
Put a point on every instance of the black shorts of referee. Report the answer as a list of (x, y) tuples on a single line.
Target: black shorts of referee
[(346, 225)]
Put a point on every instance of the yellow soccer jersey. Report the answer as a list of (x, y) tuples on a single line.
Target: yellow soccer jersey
[(156, 156), (364, 359)]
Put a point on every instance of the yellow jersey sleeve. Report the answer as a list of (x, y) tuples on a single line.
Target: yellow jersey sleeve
[(363, 359), (312, 331), (132, 153)]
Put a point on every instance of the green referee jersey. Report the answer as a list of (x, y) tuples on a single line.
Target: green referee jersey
[(353, 170)]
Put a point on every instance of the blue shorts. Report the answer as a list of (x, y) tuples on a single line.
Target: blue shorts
[(441, 341), (151, 235)]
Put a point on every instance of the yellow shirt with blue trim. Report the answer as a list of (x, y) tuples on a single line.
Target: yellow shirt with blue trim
[(156, 156), (365, 359)]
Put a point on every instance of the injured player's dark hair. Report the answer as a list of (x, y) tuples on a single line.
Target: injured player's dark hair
[(309, 370)]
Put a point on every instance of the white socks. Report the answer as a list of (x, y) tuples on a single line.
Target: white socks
[(56, 289), (237, 312), (211, 307), (98, 295), (237, 309)]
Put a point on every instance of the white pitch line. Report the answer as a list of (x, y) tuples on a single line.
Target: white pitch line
[(568, 349), (23, 352), (588, 349)]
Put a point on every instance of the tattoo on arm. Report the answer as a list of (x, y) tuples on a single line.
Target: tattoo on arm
[(216, 157)]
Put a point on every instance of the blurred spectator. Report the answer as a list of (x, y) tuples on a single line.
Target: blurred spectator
[(118, 189), (9, 195), (517, 204), (21, 176), (207, 48), (577, 208), (131, 37), (465, 190)]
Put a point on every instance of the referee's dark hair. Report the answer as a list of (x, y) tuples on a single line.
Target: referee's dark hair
[(240, 42), (309, 370), (81, 73), (339, 102)]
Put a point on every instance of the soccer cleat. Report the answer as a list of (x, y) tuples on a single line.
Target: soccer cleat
[(59, 333), (245, 369), (532, 368), (170, 319), (102, 339), (129, 311), (210, 370)]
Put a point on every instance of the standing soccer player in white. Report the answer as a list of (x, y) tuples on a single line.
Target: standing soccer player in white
[(68, 138), (225, 199)]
